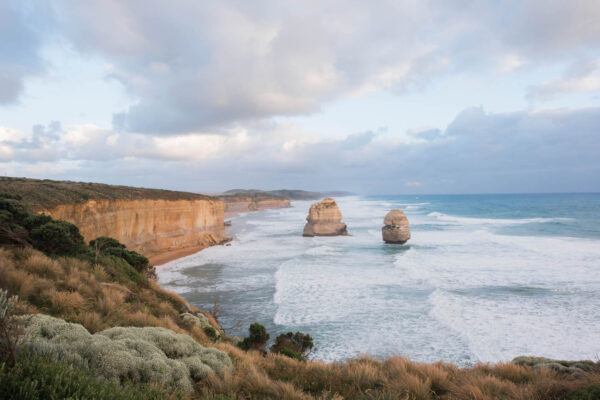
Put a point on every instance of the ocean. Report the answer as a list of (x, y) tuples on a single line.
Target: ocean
[(483, 278)]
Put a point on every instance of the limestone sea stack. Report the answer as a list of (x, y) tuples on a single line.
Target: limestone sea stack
[(396, 229), (324, 219)]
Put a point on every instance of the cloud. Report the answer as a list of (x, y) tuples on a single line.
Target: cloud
[(477, 152), (210, 78), (204, 66), (582, 76), (199, 66), (23, 25)]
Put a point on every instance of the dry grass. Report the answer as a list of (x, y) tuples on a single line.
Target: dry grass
[(63, 303), (257, 376), (79, 292)]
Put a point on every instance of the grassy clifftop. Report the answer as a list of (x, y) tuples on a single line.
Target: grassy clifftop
[(39, 194)]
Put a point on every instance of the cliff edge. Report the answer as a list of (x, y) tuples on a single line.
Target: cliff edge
[(160, 224)]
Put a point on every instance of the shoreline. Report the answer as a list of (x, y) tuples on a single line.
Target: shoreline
[(171, 255)]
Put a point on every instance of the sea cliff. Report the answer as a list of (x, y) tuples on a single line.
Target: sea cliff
[(148, 226), (160, 224)]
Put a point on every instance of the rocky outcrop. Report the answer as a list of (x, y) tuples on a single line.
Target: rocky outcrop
[(396, 229), (148, 226), (235, 204), (324, 219)]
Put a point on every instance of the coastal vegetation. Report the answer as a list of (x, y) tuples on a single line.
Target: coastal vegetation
[(294, 345), (257, 338), (37, 194), (88, 322)]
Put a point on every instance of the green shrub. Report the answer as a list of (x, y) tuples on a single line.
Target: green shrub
[(211, 333), (13, 206), (292, 354), (13, 196), (591, 392), (295, 345), (58, 238), (136, 260), (105, 242), (32, 221), (37, 378), (122, 271), (110, 246), (138, 355), (257, 339)]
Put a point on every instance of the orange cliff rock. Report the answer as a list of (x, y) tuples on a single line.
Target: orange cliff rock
[(159, 229)]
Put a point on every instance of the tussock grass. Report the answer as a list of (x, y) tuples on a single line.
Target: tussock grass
[(96, 296), (258, 376)]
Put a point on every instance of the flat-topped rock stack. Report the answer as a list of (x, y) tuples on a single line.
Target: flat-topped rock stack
[(324, 219), (396, 229)]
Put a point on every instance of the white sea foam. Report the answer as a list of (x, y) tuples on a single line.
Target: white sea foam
[(492, 221), (459, 291)]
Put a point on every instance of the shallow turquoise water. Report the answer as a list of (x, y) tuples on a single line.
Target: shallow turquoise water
[(483, 278)]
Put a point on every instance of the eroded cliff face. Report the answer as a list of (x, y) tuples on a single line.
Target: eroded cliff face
[(238, 204), (148, 226)]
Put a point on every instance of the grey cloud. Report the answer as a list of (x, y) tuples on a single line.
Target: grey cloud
[(525, 151), (23, 25), (199, 65)]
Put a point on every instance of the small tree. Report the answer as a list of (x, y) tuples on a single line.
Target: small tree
[(257, 340), (294, 345), (215, 311)]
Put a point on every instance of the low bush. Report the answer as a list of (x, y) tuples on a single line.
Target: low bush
[(38, 378), (294, 345), (211, 333), (138, 355), (291, 354), (58, 238), (109, 246), (591, 392)]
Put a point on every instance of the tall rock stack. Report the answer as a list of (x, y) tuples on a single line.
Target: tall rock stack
[(324, 219), (396, 229)]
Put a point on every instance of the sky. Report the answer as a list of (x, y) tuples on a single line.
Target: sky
[(386, 97)]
